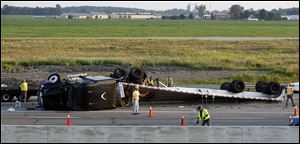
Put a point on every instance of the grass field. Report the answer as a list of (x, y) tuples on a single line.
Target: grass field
[(28, 27), (279, 56)]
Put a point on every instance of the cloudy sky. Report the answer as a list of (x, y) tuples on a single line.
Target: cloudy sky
[(160, 5)]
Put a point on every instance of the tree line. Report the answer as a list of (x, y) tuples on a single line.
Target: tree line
[(12, 10), (236, 11)]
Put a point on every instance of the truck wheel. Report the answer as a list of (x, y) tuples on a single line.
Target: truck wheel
[(137, 73), (273, 88), (6, 98), (119, 72), (225, 86), (260, 86), (237, 86), (54, 78)]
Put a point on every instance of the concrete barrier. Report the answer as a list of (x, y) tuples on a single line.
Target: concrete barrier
[(149, 134)]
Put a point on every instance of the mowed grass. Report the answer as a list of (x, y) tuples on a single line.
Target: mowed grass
[(279, 56), (29, 27)]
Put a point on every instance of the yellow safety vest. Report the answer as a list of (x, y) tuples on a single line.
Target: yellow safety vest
[(290, 90), (135, 95), (151, 83), (24, 86), (170, 82), (204, 113)]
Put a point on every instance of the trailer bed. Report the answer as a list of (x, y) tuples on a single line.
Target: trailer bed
[(184, 93)]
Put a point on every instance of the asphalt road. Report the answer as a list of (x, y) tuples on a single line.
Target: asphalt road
[(222, 114), (124, 117)]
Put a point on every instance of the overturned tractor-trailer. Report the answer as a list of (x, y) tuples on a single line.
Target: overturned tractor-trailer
[(82, 92)]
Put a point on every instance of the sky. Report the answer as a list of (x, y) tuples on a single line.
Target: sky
[(160, 5)]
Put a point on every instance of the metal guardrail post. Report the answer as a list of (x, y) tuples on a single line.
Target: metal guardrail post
[(206, 99)]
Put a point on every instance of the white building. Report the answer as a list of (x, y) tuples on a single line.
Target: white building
[(129, 15), (252, 18), (207, 16), (76, 15), (99, 15), (291, 17)]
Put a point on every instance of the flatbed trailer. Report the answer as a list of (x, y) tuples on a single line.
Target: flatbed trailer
[(185, 93)]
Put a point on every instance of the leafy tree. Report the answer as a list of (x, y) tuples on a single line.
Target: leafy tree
[(246, 14), (191, 16), (271, 16), (201, 9), (236, 11), (58, 9), (262, 14), (181, 16), (174, 17)]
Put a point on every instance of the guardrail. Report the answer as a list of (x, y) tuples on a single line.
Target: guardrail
[(141, 134)]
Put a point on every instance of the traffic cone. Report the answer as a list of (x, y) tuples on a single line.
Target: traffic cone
[(182, 120), (150, 112), (69, 120), (295, 111)]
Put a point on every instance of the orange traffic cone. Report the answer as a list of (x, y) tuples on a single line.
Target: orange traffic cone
[(295, 111), (182, 120), (69, 120), (150, 112)]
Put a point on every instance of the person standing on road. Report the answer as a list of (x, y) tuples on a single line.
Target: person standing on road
[(135, 99), (290, 93), (170, 82), (24, 89), (149, 82), (203, 116)]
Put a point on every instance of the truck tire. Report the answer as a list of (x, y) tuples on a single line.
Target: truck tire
[(237, 86), (6, 98), (273, 88), (137, 73), (119, 72), (54, 78), (225, 86), (260, 86)]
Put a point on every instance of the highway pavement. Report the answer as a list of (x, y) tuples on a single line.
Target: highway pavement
[(168, 114)]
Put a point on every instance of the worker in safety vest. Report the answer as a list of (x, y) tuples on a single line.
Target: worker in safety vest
[(170, 82), (24, 89), (203, 116), (290, 93), (149, 82), (135, 99)]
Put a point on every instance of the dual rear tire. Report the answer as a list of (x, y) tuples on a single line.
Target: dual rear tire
[(268, 88), (235, 86)]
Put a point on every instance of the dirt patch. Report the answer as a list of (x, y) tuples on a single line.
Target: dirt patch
[(36, 74)]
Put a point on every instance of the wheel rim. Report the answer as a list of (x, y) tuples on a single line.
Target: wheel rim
[(5, 97), (53, 79)]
